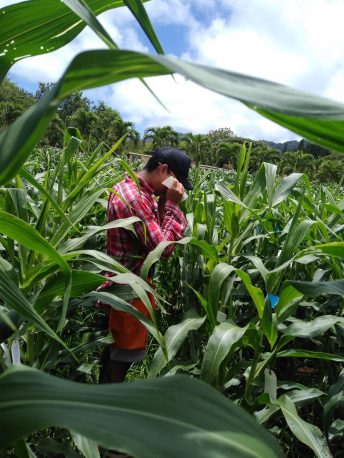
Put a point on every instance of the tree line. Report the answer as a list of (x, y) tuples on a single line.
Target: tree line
[(99, 123)]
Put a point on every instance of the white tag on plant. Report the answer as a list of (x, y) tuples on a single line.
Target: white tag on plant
[(221, 317), (168, 183)]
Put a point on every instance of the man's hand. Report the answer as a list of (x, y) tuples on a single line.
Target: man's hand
[(175, 192)]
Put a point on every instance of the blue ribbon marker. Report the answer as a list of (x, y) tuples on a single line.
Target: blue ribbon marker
[(273, 300)]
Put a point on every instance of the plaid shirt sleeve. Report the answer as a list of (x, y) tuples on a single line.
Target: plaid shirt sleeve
[(171, 228)]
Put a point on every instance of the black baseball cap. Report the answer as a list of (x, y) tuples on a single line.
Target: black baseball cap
[(178, 162)]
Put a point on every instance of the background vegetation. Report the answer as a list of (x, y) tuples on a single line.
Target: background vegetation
[(220, 148)]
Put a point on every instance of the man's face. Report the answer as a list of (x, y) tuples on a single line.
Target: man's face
[(158, 176)]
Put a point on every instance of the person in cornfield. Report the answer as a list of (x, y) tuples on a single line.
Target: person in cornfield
[(163, 221)]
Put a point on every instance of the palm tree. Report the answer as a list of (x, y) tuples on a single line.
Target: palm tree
[(330, 170), (84, 120), (133, 136), (297, 161), (226, 153), (198, 147), (161, 136)]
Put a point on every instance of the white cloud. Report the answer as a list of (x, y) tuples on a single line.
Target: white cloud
[(191, 108), (170, 12), (296, 43)]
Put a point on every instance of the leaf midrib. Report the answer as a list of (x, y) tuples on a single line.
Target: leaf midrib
[(297, 420), (44, 24)]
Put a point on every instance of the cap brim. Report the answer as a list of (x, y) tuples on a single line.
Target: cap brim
[(185, 182)]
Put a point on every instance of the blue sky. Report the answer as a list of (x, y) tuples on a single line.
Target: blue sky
[(298, 43)]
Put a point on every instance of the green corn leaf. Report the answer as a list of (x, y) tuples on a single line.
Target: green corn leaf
[(296, 235), (336, 430), (32, 28), (174, 338), (17, 141), (217, 278), (156, 254), (9, 322), (139, 12), (269, 321), (305, 432), (285, 188), (192, 420), (23, 450), (93, 170), (81, 9), (207, 250), (201, 299), (135, 6), (318, 288), (131, 173), (295, 353), (329, 249), (315, 118), (334, 399), (256, 190), (15, 300), (141, 289), (73, 244), (270, 384), (220, 344), (256, 293), (80, 210), (240, 167), (314, 328), (82, 283), (25, 174), (304, 396), (86, 446), (270, 178), (228, 194), (119, 304), (71, 144), (258, 263), (26, 235), (244, 172), (287, 302), (38, 273), (100, 259)]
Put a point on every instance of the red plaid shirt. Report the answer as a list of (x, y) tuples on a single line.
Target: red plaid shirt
[(129, 249)]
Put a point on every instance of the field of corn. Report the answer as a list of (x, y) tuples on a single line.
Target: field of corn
[(246, 349)]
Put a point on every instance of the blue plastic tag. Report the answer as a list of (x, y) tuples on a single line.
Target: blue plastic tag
[(273, 300)]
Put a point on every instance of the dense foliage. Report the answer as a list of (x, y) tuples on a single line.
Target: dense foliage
[(96, 122)]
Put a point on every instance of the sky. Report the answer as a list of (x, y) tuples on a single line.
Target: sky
[(299, 43)]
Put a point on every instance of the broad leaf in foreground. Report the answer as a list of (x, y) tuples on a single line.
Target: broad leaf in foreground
[(188, 417)]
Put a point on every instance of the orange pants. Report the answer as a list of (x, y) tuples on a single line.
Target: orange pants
[(127, 332)]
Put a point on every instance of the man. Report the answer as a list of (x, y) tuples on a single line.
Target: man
[(163, 221)]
